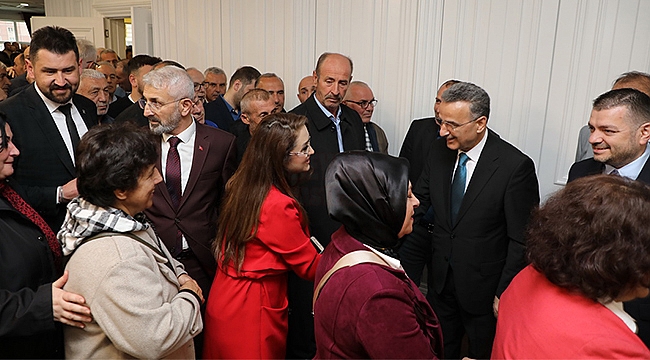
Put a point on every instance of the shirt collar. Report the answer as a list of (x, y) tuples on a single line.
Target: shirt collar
[(184, 136), (633, 169), (474, 153), (51, 105), (617, 308), (327, 112), (392, 262)]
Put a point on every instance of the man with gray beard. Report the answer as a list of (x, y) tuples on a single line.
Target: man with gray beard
[(195, 161)]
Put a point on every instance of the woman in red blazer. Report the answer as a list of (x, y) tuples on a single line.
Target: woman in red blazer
[(262, 236), (371, 309), (589, 248)]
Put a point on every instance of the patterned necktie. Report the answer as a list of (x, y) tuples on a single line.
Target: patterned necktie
[(173, 171), (368, 142), (69, 122), (23, 207), (458, 186)]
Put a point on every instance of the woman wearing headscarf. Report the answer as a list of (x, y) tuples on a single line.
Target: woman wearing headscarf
[(589, 248), (144, 304), (364, 304), (32, 303), (263, 234)]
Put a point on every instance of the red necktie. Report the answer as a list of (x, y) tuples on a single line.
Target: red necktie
[(23, 207)]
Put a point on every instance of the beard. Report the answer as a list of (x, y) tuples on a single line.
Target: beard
[(63, 98), (159, 127)]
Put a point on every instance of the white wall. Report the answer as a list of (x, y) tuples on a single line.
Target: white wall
[(541, 61)]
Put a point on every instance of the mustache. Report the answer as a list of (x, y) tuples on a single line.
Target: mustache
[(334, 97), (57, 87)]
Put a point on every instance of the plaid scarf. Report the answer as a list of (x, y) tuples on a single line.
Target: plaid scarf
[(84, 219)]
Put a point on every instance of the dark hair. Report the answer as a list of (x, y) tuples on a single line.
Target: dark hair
[(636, 102), (245, 74), (3, 132), (478, 99), (168, 63), (53, 39), (324, 56), (139, 61), (262, 166), (592, 237), (112, 157)]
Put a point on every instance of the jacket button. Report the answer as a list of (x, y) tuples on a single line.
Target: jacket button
[(453, 236), (177, 220), (40, 238)]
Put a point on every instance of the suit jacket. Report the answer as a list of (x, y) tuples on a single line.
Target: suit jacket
[(119, 105), (379, 142), (325, 144), (539, 320), (18, 82), (133, 113), (217, 112), (27, 326), (196, 217), (639, 309), (44, 162), (417, 143), (487, 240), (240, 130)]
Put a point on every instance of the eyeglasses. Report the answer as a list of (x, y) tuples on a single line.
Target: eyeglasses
[(365, 103), (199, 100), (154, 105), (303, 153), (452, 125), (198, 86)]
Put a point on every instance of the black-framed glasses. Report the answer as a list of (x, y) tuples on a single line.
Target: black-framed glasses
[(365, 103), (198, 86), (452, 125), (154, 105)]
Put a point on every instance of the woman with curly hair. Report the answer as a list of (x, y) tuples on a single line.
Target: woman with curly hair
[(262, 236), (589, 248)]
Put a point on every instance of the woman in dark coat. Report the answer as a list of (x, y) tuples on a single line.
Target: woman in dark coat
[(370, 308), (32, 303)]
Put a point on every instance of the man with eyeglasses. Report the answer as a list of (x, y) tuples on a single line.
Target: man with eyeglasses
[(482, 190), (198, 112), (333, 128), (196, 161), (360, 98), (108, 70)]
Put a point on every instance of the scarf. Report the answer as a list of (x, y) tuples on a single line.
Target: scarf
[(84, 219)]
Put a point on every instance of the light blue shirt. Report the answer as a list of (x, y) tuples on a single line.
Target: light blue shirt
[(633, 169), (336, 120)]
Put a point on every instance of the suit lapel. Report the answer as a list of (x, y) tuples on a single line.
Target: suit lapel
[(47, 125), (444, 181), (644, 175), (485, 168), (201, 148), (87, 118)]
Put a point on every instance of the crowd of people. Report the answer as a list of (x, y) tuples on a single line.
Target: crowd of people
[(151, 210)]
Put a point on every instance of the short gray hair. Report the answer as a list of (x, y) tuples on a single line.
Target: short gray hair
[(478, 99), (178, 84), (214, 70), (86, 50), (91, 74)]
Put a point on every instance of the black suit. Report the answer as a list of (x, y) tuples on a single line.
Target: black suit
[(217, 112), (486, 246), (17, 83), (300, 339), (133, 113), (415, 251), (639, 309), (44, 162), (241, 131), (119, 105)]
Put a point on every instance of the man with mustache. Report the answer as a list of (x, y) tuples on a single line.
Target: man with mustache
[(334, 128), (94, 86), (48, 119), (620, 131)]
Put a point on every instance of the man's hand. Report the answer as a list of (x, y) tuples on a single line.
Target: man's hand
[(69, 308), (70, 190), (188, 283), (495, 307)]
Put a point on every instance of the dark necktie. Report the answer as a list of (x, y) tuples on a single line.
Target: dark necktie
[(173, 183), (72, 128), (23, 207), (458, 186)]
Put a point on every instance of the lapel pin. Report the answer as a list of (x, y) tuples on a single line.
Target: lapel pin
[(200, 148)]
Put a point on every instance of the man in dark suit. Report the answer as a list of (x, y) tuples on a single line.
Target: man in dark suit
[(47, 120), (415, 251), (255, 105), (275, 87), (620, 131), (482, 190), (224, 110), (196, 161), (137, 68), (333, 128)]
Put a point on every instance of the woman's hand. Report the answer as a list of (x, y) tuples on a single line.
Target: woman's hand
[(69, 308), (188, 283)]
